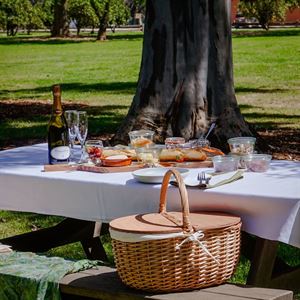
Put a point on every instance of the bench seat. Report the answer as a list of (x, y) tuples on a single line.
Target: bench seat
[(104, 283)]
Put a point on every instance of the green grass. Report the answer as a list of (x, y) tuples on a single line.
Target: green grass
[(267, 77), (104, 75), (93, 72)]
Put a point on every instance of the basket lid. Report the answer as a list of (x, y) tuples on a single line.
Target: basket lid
[(158, 223)]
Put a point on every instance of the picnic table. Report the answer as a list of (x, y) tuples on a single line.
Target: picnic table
[(268, 203)]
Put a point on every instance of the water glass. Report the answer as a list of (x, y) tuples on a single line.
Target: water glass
[(81, 131), (71, 118)]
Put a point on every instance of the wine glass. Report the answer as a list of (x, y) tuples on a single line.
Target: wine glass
[(81, 131), (71, 118)]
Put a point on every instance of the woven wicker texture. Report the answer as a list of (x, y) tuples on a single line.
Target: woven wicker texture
[(158, 265)]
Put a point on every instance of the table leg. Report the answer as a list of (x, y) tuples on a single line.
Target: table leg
[(268, 270), (66, 232), (92, 246)]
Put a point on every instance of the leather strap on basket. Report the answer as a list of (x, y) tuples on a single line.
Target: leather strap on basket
[(186, 223)]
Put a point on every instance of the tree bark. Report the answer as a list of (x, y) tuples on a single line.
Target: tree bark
[(103, 21), (186, 74), (61, 22)]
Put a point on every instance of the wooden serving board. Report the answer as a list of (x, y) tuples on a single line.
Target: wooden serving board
[(95, 169), (134, 166)]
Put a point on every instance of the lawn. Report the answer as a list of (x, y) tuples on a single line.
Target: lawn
[(103, 75)]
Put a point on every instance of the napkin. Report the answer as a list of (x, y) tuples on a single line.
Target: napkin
[(5, 248), (223, 180)]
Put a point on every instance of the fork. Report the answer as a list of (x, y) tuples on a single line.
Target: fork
[(202, 178)]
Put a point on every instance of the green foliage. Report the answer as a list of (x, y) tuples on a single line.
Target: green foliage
[(82, 13), (140, 5), (47, 14), (109, 12), (14, 14), (35, 14), (265, 11), (293, 3), (34, 17), (118, 12)]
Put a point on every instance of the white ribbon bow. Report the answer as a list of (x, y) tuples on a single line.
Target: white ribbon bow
[(194, 237)]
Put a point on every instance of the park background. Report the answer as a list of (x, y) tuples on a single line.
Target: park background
[(101, 77)]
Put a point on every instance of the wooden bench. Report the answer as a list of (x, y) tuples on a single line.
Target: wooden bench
[(104, 283)]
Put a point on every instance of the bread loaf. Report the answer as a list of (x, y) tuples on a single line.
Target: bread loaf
[(193, 155), (171, 155), (180, 155), (112, 152)]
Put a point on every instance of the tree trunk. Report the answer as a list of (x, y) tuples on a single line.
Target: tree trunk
[(60, 23), (101, 35), (186, 76)]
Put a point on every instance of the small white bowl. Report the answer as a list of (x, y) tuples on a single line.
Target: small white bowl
[(155, 175)]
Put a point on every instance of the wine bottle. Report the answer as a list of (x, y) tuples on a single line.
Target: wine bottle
[(58, 138)]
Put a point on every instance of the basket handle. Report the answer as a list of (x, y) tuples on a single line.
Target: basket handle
[(186, 223)]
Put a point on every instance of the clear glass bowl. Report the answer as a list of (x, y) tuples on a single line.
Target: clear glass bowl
[(174, 142), (242, 145), (199, 143), (94, 149), (225, 163), (141, 138), (148, 155), (257, 162)]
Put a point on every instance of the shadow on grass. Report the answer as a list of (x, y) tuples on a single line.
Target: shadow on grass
[(47, 40), (262, 120), (119, 87), (102, 120), (135, 36), (263, 33), (241, 89)]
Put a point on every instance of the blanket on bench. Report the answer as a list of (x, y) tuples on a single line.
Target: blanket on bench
[(29, 276)]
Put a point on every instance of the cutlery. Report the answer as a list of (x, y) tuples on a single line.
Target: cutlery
[(202, 178), (203, 185), (212, 126)]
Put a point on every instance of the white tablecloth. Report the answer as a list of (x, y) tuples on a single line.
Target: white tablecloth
[(268, 203)]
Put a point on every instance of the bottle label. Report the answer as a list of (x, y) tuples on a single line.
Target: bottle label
[(60, 153)]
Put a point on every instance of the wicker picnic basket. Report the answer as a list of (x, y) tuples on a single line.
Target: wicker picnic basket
[(175, 251)]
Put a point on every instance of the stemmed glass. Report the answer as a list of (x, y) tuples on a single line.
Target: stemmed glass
[(81, 131), (71, 118)]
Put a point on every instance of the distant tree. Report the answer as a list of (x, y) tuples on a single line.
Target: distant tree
[(2, 18), (118, 13), (14, 15), (101, 8), (293, 3), (34, 17), (136, 6), (82, 13), (109, 12), (266, 11), (48, 13), (61, 21)]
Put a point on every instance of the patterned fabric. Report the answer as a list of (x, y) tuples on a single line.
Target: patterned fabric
[(28, 276)]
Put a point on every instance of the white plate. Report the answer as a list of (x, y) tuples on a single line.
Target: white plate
[(155, 175)]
